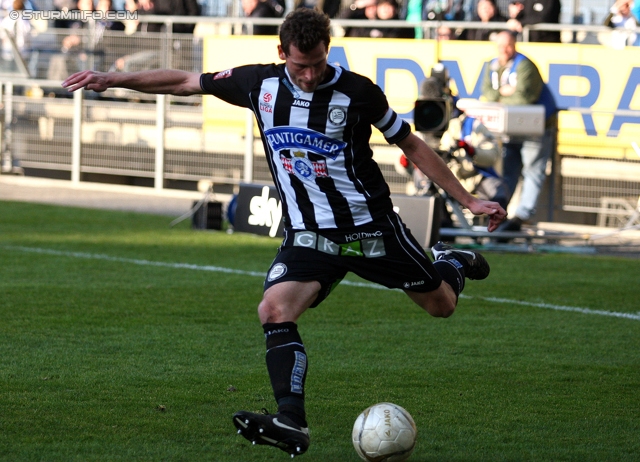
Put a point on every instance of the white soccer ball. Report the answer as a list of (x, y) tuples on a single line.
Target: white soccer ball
[(384, 432)]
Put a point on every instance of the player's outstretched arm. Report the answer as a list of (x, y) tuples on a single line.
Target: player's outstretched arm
[(432, 165), (158, 81)]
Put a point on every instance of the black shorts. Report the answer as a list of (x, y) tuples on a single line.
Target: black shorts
[(383, 251)]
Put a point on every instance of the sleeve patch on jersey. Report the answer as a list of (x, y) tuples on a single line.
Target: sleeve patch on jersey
[(223, 74)]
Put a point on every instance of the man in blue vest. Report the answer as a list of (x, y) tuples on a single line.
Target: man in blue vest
[(513, 79)]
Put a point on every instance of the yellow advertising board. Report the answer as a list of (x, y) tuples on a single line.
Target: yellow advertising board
[(589, 82)]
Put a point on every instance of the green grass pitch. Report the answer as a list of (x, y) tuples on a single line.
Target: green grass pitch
[(122, 339)]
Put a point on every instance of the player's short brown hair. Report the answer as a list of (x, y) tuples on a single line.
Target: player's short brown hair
[(305, 28)]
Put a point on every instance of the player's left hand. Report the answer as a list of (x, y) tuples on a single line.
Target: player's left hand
[(494, 210)]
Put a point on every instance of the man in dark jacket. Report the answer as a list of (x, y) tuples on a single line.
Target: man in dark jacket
[(539, 12), (169, 8), (259, 9)]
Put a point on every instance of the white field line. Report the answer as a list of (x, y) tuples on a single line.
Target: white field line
[(219, 269)]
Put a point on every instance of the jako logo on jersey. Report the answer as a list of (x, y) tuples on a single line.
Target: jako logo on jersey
[(223, 74), (301, 103), (280, 138)]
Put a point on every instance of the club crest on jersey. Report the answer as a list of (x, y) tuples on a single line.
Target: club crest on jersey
[(303, 139), (337, 115), (277, 271), (303, 167)]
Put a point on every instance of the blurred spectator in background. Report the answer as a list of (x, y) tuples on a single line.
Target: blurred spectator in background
[(516, 7), (178, 8), (279, 6), (329, 7), (446, 33), (538, 12), (362, 10), (20, 30), (168, 8), (75, 38), (624, 24), (513, 79), (259, 9), (76, 49), (486, 12), (388, 10), (635, 10), (95, 26), (432, 10), (63, 5), (106, 6), (147, 7), (130, 25), (371, 10)]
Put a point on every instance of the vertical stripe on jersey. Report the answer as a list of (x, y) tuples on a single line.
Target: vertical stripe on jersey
[(268, 120), (309, 199), (354, 196), (334, 185)]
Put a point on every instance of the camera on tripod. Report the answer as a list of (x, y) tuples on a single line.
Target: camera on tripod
[(434, 108)]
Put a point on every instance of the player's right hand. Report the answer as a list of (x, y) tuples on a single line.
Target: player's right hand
[(89, 80)]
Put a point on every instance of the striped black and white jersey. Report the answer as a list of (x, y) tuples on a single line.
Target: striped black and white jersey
[(317, 144)]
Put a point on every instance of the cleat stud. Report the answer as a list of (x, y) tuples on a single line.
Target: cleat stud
[(254, 442), (239, 432), (246, 421), (261, 430)]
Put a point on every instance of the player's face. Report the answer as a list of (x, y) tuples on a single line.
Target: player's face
[(307, 70)]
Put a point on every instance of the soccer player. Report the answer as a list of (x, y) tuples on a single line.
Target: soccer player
[(315, 120)]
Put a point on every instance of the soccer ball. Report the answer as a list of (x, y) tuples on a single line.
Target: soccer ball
[(384, 432)]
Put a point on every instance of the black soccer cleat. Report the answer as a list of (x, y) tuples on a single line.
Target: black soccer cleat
[(274, 430), (475, 265)]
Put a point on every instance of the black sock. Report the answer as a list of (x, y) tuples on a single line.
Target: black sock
[(287, 367), (452, 272)]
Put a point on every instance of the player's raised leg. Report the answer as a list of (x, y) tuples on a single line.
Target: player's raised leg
[(473, 264), (453, 266)]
